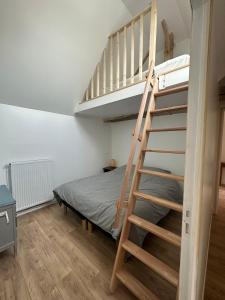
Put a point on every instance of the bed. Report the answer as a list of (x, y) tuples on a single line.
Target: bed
[(95, 198)]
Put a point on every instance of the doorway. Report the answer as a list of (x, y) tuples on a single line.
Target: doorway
[(215, 276)]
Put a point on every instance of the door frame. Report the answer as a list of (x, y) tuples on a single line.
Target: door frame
[(221, 133)]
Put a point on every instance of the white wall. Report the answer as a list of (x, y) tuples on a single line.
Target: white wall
[(49, 49), (121, 140), (77, 146)]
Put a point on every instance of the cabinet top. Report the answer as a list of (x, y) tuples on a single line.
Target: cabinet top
[(5, 196)]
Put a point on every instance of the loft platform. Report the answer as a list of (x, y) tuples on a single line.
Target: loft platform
[(125, 102)]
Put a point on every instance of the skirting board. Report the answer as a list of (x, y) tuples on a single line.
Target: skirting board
[(31, 209)]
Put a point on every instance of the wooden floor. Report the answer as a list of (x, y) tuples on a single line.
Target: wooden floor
[(215, 278), (58, 260)]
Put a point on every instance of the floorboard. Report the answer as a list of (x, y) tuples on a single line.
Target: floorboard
[(57, 259)]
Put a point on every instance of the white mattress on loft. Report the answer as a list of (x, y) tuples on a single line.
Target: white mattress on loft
[(178, 69), (173, 64), (126, 101)]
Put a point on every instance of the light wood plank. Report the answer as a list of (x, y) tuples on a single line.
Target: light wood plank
[(133, 20), (156, 230), (160, 174), (87, 94), (141, 36), (167, 129), (111, 63), (153, 31), (173, 90), (164, 151), (97, 80), (104, 72), (170, 110), (92, 87), (135, 286), (160, 201), (118, 61), (125, 56), (152, 262), (132, 53)]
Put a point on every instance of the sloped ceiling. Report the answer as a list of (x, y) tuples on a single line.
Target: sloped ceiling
[(49, 49), (177, 14)]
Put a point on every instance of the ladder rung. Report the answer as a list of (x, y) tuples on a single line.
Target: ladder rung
[(152, 262), (173, 90), (135, 286), (164, 151), (156, 230), (170, 110), (161, 174), (160, 201), (167, 129)]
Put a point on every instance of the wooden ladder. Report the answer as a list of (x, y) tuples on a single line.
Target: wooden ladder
[(125, 245)]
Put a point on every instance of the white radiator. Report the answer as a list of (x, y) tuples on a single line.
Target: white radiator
[(31, 182)]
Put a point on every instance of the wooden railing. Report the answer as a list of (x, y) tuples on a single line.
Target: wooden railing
[(123, 62)]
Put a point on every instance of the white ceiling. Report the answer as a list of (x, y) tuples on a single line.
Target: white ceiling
[(177, 14)]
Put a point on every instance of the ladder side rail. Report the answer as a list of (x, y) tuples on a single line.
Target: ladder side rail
[(152, 54), (119, 261), (135, 139)]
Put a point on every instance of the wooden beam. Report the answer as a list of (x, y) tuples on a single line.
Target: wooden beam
[(132, 53), (97, 81), (169, 41), (123, 118), (153, 32), (141, 46), (111, 64), (104, 72), (125, 56), (134, 20), (143, 62), (118, 61), (92, 87)]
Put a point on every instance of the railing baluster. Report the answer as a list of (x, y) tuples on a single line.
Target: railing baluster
[(97, 81), (111, 63), (153, 31), (132, 53), (104, 71), (118, 60), (141, 47), (125, 56), (111, 59), (92, 87), (86, 95)]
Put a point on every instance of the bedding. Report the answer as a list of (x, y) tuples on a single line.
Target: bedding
[(95, 198), (174, 63)]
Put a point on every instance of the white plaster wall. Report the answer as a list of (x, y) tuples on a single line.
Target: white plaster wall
[(77, 146), (121, 140), (49, 49)]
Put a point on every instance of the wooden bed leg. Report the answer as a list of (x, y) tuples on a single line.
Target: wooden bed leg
[(65, 210), (90, 227), (84, 224)]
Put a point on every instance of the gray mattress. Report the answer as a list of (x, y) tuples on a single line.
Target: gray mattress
[(95, 198)]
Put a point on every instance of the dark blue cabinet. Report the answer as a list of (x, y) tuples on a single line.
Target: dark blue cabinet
[(7, 219)]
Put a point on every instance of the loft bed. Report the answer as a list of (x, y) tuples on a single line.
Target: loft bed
[(124, 103), (95, 198), (119, 78)]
